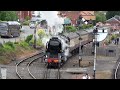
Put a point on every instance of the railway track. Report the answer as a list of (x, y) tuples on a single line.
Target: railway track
[(22, 68), (117, 70), (51, 74)]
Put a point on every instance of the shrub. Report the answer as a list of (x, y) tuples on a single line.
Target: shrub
[(24, 44), (1, 45), (31, 42), (41, 33), (7, 48), (113, 36), (27, 18), (29, 38), (25, 23), (85, 26), (70, 28), (16, 42), (2, 51), (11, 44), (38, 42)]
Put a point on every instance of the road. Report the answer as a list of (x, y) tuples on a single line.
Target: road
[(25, 32)]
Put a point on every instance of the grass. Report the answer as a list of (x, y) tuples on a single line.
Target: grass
[(10, 51)]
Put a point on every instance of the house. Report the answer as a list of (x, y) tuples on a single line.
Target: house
[(23, 14), (114, 23), (74, 15)]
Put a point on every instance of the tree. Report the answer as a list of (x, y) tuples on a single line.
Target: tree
[(8, 16), (41, 33), (27, 18), (111, 14), (100, 17)]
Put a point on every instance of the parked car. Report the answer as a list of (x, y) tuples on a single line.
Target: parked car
[(10, 28)]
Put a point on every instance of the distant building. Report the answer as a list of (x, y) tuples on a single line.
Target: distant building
[(23, 14), (74, 15), (114, 23)]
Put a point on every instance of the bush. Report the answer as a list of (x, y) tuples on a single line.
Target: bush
[(2, 51), (113, 36), (29, 38), (38, 42), (7, 48), (41, 33), (70, 28), (85, 26), (25, 23), (31, 42), (27, 18), (24, 44), (1, 45), (11, 44), (16, 42)]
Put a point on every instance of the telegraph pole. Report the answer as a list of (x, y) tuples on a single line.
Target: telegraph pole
[(80, 52), (95, 40), (35, 36)]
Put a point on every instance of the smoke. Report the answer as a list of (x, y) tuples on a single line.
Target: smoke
[(54, 22)]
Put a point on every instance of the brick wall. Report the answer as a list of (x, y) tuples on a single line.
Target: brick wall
[(22, 14)]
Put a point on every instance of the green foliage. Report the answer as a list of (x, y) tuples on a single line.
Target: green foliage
[(25, 23), (1, 45), (8, 16), (24, 44), (27, 18), (38, 42), (70, 28), (111, 14), (2, 51), (100, 17), (16, 42), (113, 36), (29, 38), (7, 47), (86, 26), (11, 44), (41, 33), (31, 42)]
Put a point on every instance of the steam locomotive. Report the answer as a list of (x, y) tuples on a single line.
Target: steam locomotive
[(60, 48)]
